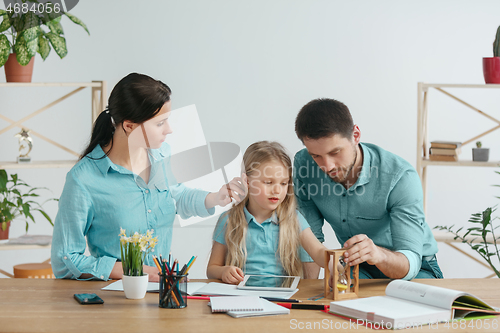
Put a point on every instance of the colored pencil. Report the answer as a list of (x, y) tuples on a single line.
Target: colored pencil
[(191, 264), (199, 297), (156, 263), (305, 306), (284, 300)]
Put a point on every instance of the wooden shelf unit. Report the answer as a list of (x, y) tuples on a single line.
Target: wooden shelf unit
[(98, 103), (422, 130)]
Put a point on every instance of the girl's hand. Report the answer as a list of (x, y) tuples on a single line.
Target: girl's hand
[(232, 275)]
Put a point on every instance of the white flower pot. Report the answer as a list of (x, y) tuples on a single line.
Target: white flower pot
[(135, 287)]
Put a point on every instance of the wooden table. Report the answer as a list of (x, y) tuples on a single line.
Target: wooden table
[(28, 305)]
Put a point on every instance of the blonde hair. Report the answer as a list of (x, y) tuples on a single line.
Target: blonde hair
[(236, 226)]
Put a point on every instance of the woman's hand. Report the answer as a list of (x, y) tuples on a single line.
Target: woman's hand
[(117, 272), (236, 189), (232, 275), (152, 273)]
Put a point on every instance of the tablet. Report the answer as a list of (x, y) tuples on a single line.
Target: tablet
[(269, 282)]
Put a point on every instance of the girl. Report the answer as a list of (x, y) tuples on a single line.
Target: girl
[(123, 180), (262, 234)]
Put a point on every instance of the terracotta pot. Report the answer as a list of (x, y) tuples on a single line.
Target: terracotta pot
[(135, 287), (491, 69), (4, 234), (14, 72)]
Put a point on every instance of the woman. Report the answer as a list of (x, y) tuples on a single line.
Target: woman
[(123, 180)]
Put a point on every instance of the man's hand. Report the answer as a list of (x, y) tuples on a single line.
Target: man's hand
[(232, 274), (360, 249)]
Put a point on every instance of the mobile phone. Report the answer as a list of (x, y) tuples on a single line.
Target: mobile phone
[(88, 299)]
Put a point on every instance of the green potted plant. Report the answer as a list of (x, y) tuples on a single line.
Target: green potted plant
[(480, 236), (14, 203), (134, 250), (491, 65), (31, 32), (482, 228), (480, 154)]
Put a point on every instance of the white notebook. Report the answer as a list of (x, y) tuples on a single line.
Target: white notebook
[(269, 310), (235, 303)]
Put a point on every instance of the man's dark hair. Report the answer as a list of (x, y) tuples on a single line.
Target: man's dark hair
[(322, 118)]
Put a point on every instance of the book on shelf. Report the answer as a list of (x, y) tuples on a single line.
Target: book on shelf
[(446, 144), (447, 158), (407, 304), (445, 151)]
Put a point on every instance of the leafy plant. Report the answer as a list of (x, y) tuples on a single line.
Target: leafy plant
[(27, 35), (482, 227), (496, 44), (14, 203), (134, 250), (479, 144)]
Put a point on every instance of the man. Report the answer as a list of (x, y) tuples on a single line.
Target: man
[(371, 197)]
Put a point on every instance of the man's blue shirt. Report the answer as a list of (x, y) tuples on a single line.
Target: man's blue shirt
[(385, 203)]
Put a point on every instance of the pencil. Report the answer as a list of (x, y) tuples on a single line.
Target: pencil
[(157, 264), (284, 300), (173, 266), (190, 261), (199, 297), (191, 264), (305, 306), (183, 270)]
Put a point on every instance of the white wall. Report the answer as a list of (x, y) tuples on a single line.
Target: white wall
[(250, 66)]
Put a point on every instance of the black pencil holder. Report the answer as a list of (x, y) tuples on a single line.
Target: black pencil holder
[(173, 291)]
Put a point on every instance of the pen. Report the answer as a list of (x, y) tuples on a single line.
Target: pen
[(284, 300), (305, 306)]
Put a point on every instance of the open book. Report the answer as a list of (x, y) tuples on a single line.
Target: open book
[(409, 304)]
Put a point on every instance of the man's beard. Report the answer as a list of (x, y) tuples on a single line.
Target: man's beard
[(345, 171)]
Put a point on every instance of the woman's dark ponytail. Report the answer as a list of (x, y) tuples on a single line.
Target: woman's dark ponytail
[(137, 98), (102, 133)]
